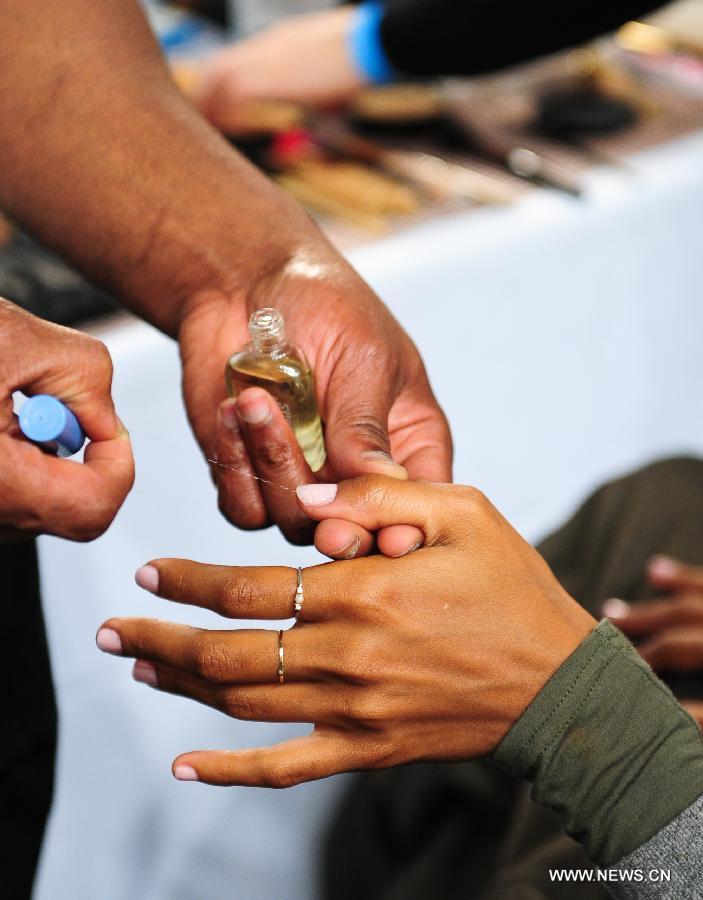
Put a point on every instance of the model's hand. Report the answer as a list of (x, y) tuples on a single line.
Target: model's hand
[(303, 59), (669, 631), (372, 390), (429, 657), (40, 493)]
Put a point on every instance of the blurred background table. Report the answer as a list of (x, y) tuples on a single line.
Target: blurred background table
[(563, 340)]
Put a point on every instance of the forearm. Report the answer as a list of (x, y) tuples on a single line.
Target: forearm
[(609, 748), (442, 37), (102, 158)]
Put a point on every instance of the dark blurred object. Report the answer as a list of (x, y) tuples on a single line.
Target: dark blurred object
[(424, 111), (498, 146), (257, 149), (39, 282), (28, 730), (582, 111), (216, 10)]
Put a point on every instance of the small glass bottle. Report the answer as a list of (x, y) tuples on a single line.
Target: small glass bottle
[(270, 362)]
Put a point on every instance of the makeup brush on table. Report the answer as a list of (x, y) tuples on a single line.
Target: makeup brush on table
[(438, 177), (454, 120)]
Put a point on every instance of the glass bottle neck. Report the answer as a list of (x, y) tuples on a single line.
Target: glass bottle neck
[(269, 346), (268, 332)]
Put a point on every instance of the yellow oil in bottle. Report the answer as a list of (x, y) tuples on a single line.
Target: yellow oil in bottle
[(281, 369)]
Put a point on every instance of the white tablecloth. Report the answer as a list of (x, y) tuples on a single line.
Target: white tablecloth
[(563, 339)]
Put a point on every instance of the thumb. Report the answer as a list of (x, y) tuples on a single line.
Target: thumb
[(375, 501), (356, 430)]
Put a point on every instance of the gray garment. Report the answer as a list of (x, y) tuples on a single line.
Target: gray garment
[(677, 848)]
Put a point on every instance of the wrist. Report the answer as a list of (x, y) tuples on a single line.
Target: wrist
[(288, 272), (607, 747), (557, 634), (225, 248)]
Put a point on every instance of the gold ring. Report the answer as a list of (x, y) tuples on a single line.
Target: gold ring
[(281, 659), (299, 594)]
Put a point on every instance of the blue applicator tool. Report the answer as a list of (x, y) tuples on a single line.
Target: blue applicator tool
[(47, 422)]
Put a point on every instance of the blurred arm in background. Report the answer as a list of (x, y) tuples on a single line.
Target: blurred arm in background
[(327, 56), (104, 160)]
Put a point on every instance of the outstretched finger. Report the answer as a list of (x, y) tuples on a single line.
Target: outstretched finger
[(225, 657), (285, 765), (293, 702), (242, 592)]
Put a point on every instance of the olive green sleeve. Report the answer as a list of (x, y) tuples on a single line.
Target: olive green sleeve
[(607, 747)]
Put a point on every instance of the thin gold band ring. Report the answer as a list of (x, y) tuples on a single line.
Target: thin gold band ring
[(281, 660)]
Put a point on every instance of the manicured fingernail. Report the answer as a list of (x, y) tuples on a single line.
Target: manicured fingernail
[(145, 673), (228, 415), (185, 773), (255, 410), (316, 494), (663, 567), (147, 577), (109, 641), (616, 609), (352, 549)]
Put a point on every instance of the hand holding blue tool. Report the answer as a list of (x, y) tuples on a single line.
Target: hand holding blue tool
[(46, 493)]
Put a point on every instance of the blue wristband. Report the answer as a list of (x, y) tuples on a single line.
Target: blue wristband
[(365, 46)]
